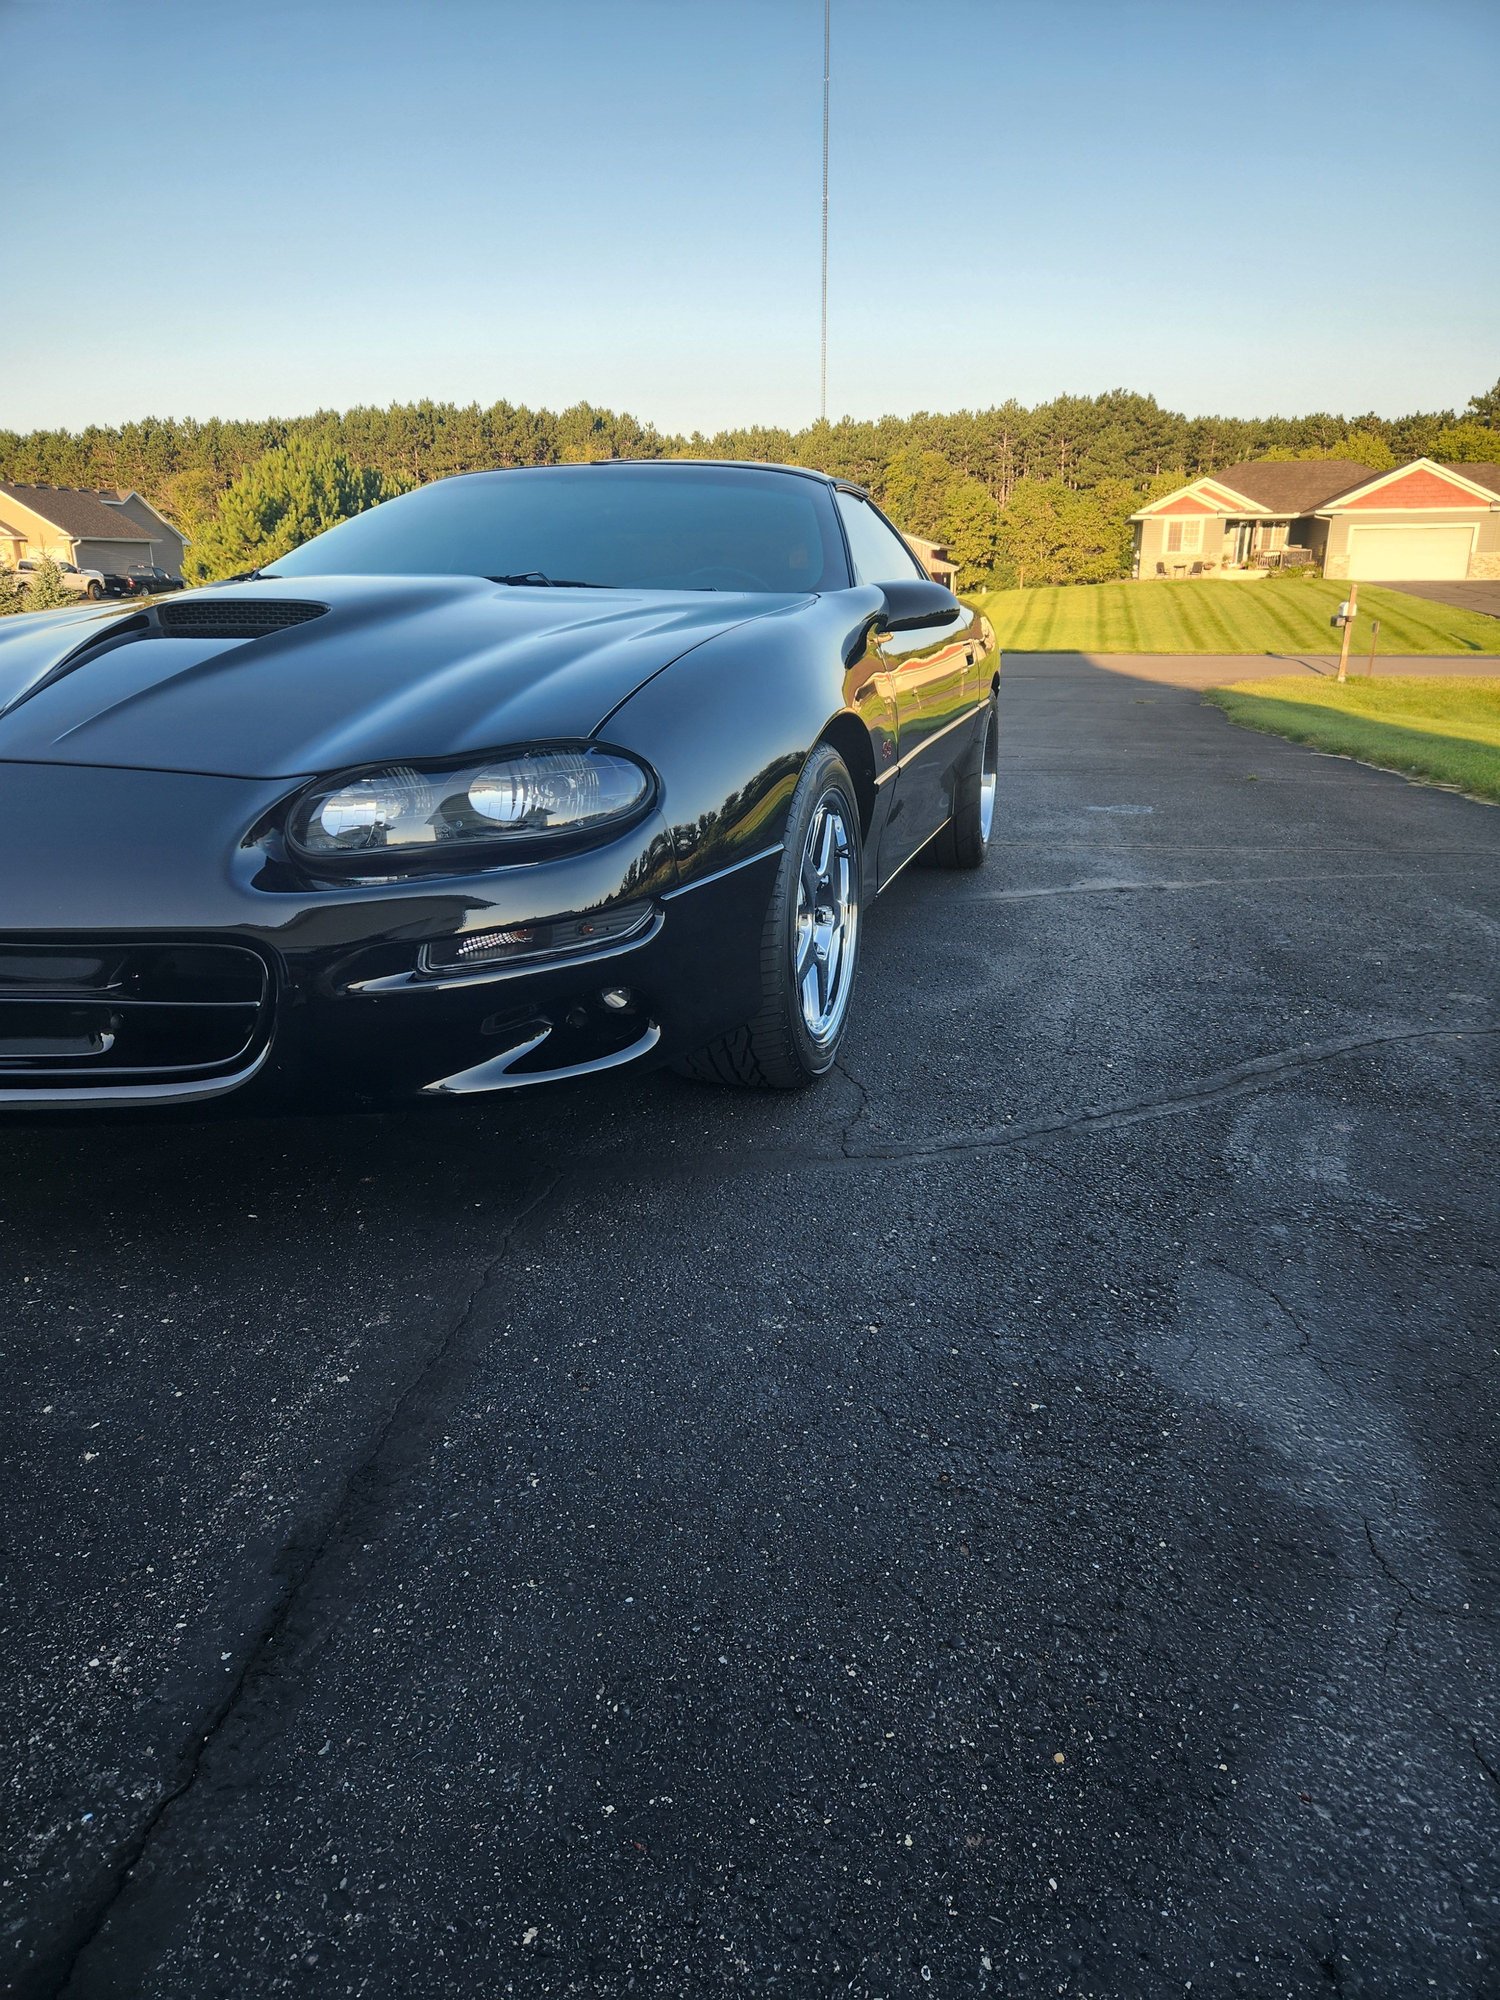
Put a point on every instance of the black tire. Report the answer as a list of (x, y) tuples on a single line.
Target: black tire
[(965, 840), (777, 1049), (96, 591)]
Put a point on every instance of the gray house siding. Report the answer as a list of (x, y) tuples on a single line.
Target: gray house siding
[(96, 553), (167, 546)]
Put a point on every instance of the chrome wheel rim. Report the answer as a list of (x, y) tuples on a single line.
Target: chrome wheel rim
[(989, 775), (826, 925)]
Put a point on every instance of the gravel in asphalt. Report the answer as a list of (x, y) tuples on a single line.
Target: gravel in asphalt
[(1020, 1519)]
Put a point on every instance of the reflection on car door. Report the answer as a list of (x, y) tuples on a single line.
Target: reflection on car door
[(935, 684), (934, 679)]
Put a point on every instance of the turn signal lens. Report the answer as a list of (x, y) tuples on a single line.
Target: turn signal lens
[(556, 938), (400, 809)]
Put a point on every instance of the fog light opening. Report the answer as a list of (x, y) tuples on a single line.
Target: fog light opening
[(616, 998)]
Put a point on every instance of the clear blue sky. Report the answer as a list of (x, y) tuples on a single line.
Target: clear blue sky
[(344, 201)]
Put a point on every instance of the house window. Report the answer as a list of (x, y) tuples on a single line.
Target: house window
[(1184, 537)]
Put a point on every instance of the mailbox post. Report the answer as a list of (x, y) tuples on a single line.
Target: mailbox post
[(1348, 612)]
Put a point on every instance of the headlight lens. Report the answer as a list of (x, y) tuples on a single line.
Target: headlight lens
[(401, 809)]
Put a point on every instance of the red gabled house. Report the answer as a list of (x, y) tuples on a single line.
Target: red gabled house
[(1423, 521)]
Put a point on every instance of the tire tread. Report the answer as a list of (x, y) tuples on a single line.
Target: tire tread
[(762, 1054)]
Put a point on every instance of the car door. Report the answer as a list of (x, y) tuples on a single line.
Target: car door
[(934, 683)]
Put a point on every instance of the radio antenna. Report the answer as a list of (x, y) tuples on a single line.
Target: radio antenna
[(823, 327)]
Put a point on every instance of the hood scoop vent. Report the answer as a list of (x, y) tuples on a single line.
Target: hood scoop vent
[(232, 618)]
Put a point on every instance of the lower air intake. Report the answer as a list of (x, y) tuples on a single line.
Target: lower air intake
[(92, 1015)]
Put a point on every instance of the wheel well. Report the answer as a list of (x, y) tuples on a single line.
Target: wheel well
[(848, 735)]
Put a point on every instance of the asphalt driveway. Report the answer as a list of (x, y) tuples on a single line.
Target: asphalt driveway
[(1021, 1519), (1469, 595)]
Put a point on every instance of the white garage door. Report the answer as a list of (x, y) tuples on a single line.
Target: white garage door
[(1409, 554)]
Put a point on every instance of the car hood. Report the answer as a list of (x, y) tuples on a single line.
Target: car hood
[(387, 668)]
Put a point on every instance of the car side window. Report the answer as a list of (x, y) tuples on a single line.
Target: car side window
[(879, 554)]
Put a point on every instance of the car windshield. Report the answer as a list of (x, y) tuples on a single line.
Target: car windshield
[(621, 527)]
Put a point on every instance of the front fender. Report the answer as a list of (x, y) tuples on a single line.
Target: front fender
[(729, 726)]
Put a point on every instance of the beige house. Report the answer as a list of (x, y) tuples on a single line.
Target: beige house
[(1424, 521), (104, 530), (934, 558)]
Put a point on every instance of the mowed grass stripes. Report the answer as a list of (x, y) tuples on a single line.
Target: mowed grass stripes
[(1279, 615)]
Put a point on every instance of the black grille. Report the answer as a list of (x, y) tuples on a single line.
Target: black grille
[(102, 1015), (232, 618)]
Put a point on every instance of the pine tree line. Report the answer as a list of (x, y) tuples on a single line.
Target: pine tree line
[(1032, 495)]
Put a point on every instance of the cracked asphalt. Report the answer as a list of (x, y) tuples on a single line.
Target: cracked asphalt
[(1018, 1520)]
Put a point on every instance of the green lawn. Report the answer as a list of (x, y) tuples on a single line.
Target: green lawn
[(1446, 730), (1280, 615)]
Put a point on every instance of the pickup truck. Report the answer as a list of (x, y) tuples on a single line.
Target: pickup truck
[(87, 582), (141, 580)]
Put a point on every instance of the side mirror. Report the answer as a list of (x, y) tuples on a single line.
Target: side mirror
[(914, 604)]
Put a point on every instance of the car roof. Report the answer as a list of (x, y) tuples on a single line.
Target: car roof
[(696, 464)]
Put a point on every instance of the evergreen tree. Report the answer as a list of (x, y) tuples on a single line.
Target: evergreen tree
[(286, 497), (45, 589)]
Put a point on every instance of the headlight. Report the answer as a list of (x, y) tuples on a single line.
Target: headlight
[(514, 797)]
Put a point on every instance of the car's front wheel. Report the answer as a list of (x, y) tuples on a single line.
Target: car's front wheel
[(810, 947), (96, 591)]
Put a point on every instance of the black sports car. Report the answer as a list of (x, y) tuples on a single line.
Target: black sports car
[(521, 776)]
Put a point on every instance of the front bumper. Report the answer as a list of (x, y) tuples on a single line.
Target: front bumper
[(95, 935)]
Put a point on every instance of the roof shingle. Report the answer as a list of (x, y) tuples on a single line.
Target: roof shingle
[(1482, 475), (77, 512), (1295, 485)]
